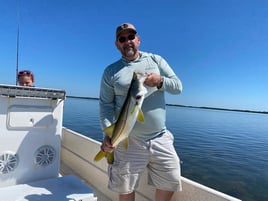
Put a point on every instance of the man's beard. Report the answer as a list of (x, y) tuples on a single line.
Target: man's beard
[(130, 52)]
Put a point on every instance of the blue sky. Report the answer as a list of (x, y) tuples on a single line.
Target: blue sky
[(218, 48)]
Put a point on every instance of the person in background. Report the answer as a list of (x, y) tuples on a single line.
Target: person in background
[(150, 144), (26, 78)]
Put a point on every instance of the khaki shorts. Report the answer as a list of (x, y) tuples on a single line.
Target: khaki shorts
[(157, 155)]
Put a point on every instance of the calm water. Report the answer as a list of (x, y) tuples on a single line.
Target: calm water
[(224, 150)]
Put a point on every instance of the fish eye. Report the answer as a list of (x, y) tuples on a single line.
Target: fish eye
[(138, 97)]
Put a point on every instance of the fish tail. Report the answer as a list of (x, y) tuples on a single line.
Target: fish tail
[(110, 157), (99, 156)]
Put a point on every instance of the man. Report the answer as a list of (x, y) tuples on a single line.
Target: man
[(150, 144)]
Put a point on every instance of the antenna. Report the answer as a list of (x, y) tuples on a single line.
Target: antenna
[(17, 58), (18, 40)]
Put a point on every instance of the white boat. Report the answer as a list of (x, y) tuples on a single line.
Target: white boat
[(42, 161)]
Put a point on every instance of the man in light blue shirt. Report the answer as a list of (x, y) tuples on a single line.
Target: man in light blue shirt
[(150, 144)]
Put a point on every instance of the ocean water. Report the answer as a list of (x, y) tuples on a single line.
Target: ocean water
[(225, 150)]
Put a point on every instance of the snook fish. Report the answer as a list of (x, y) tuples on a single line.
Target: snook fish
[(129, 114)]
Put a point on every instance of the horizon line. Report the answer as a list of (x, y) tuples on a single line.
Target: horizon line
[(188, 106)]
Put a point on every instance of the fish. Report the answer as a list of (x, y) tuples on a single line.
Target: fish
[(129, 114)]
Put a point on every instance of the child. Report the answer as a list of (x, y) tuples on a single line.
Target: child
[(26, 78)]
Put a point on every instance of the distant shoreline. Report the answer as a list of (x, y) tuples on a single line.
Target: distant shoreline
[(178, 105)]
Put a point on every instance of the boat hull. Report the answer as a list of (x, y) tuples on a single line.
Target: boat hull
[(77, 157)]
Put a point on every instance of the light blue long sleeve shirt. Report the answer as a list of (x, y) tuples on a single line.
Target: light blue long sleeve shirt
[(115, 82)]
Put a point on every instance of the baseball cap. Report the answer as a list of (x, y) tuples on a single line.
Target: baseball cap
[(125, 26)]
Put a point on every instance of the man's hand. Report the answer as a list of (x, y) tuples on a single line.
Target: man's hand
[(106, 145), (153, 80)]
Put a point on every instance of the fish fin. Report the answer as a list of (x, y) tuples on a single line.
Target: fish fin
[(140, 116), (109, 130), (125, 143), (99, 155)]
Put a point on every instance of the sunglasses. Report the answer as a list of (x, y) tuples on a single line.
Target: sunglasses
[(123, 39), (25, 72)]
